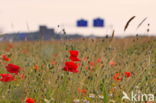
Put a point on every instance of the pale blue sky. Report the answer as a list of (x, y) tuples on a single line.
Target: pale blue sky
[(66, 12)]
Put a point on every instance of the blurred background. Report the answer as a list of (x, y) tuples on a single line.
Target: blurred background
[(27, 15)]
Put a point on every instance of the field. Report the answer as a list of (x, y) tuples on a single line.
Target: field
[(107, 68)]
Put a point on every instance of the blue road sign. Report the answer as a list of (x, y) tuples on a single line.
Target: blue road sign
[(98, 22), (82, 23)]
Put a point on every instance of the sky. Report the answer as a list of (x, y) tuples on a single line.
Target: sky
[(27, 15)]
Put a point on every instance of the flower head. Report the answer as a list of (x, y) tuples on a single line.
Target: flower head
[(36, 67), (128, 74), (5, 58), (74, 58), (30, 100), (13, 68), (82, 90), (99, 60), (6, 77), (92, 63), (112, 63), (71, 67), (73, 55), (117, 77)]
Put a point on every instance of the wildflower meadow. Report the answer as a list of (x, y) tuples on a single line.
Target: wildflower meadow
[(78, 71)]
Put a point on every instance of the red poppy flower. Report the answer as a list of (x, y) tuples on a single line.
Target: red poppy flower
[(13, 68), (99, 60), (74, 58), (73, 55), (112, 63), (36, 67), (71, 67), (82, 90), (5, 58), (30, 100), (6, 77), (92, 63), (128, 74), (117, 77)]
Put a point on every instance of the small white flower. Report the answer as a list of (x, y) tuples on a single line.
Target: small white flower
[(76, 101), (92, 95), (101, 96), (85, 101), (47, 101)]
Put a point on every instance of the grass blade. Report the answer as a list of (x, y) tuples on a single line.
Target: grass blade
[(128, 22)]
